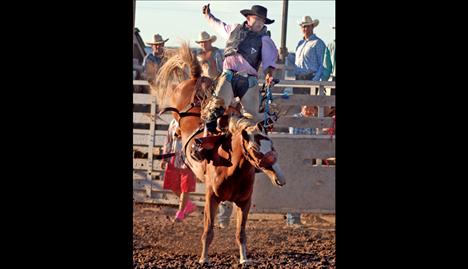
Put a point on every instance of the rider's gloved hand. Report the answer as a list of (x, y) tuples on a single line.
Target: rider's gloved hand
[(206, 9)]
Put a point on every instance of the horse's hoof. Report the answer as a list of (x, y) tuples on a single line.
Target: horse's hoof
[(203, 261), (246, 261)]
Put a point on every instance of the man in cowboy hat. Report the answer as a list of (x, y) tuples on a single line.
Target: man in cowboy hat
[(248, 45), (309, 52), (210, 58), (154, 60)]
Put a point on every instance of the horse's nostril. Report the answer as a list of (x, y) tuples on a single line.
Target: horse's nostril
[(280, 183), (269, 158)]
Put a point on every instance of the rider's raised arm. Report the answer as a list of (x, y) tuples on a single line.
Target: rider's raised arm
[(269, 53), (222, 28)]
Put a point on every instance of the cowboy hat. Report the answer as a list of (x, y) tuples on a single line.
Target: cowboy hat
[(157, 39), (257, 11), (204, 36), (306, 20)]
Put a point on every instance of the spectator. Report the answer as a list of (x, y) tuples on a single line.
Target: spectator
[(210, 58), (177, 176), (154, 60)]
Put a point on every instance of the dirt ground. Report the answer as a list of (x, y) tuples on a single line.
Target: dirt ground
[(158, 242)]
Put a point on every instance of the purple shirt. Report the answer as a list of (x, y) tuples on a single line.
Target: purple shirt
[(237, 62)]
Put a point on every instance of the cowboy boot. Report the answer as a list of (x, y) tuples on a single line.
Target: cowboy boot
[(199, 149), (212, 122)]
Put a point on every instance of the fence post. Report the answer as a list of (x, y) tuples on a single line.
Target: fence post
[(151, 138), (320, 114)]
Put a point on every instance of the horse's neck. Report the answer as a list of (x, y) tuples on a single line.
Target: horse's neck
[(189, 128), (235, 180), (183, 104), (238, 157)]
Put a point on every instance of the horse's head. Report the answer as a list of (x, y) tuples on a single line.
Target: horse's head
[(259, 151)]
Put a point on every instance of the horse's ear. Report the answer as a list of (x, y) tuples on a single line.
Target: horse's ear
[(245, 135), (259, 125)]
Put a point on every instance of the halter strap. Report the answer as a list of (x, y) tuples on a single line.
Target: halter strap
[(182, 114)]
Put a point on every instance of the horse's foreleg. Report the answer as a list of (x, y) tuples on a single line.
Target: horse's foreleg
[(210, 210), (241, 238)]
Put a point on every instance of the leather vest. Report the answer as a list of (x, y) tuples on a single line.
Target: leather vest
[(247, 43)]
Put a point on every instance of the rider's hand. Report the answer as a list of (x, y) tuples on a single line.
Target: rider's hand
[(269, 79), (206, 9)]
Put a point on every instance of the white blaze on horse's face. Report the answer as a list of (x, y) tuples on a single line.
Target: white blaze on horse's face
[(265, 146), (272, 169)]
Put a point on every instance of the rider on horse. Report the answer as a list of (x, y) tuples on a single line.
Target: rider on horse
[(248, 45)]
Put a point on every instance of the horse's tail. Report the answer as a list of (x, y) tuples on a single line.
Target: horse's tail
[(181, 66)]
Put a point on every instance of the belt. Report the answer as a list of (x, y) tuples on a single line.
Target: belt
[(239, 73), (253, 81)]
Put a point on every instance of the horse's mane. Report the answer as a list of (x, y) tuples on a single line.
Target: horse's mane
[(175, 70), (237, 124)]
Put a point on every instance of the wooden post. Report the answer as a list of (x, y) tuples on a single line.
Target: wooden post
[(321, 92), (150, 147), (284, 24), (134, 4), (320, 114)]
